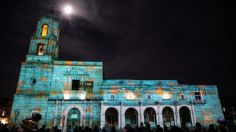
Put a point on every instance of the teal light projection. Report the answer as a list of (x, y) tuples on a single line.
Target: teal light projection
[(75, 93)]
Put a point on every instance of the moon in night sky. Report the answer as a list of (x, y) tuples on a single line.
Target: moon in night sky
[(188, 41), (68, 9)]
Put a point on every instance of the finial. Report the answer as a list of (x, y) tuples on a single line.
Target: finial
[(52, 12)]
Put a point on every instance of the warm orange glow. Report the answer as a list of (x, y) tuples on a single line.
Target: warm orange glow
[(130, 96), (66, 94), (44, 30), (159, 91), (166, 95), (4, 120)]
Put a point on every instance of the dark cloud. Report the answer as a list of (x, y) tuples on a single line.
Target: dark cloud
[(188, 41)]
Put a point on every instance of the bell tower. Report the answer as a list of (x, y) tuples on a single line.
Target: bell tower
[(44, 43)]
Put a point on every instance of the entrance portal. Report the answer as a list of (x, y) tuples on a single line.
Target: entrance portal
[(168, 117), (185, 117), (73, 118), (150, 116), (131, 117), (111, 116)]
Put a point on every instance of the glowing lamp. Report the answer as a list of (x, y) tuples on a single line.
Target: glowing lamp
[(130, 96), (4, 120), (166, 95), (66, 94), (82, 95)]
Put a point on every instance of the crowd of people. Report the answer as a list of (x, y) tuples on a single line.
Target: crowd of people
[(142, 128)]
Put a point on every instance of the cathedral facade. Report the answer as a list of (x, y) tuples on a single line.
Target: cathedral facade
[(70, 93)]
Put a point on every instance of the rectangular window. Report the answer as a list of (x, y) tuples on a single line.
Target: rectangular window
[(34, 81), (75, 84), (197, 96)]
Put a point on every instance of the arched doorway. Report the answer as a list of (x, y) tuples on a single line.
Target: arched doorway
[(185, 116), (168, 117), (150, 116), (131, 117), (111, 116), (73, 118)]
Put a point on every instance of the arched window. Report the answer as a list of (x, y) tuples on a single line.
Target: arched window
[(44, 30)]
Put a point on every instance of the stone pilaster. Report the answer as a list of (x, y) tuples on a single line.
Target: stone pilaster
[(102, 123), (120, 114), (91, 113), (55, 114)]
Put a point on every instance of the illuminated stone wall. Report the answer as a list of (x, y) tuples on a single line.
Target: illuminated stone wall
[(45, 87), (152, 93)]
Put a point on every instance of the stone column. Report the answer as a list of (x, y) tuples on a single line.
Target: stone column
[(142, 116), (139, 117), (177, 120), (179, 123), (174, 110), (85, 112), (193, 118), (91, 113), (157, 114), (160, 115), (121, 112), (62, 115), (55, 114), (140, 110), (102, 121), (123, 116)]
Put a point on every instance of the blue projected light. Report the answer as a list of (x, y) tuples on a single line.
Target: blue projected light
[(70, 93)]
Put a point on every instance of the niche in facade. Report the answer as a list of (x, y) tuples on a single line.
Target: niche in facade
[(40, 49)]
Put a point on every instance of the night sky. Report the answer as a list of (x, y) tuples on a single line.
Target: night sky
[(189, 41)]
